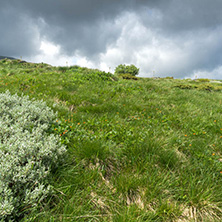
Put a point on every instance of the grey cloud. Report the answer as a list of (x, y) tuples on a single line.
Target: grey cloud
[(80, 25), (175, 37), (180, 16), (84, 25), (18, 35)]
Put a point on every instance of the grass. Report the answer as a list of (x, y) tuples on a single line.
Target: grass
[(145, 150)]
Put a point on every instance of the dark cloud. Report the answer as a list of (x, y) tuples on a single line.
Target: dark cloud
[(83, 25), (170, 37), (181, 16), (18, 34)]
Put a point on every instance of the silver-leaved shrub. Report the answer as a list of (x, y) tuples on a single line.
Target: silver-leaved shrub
[(27, 153)]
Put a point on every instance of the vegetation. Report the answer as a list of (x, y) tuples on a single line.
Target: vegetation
[(129, 70), (145, 150), (27, 154), (127, 76)]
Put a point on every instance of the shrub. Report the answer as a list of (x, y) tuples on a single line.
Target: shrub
[(217, 88), (28, 152), (203, 80), (207, 87), (63, 69), (123, 69), (95, 75), (128, 76), (185, 86)]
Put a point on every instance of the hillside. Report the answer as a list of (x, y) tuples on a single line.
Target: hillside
[(138, 150), (6, 57)]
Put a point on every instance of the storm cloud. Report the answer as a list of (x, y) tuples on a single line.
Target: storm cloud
[(162, 38)]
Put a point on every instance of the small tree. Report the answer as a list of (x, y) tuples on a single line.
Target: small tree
[(123, 69)]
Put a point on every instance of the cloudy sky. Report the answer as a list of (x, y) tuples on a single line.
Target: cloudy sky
[(179, 38)]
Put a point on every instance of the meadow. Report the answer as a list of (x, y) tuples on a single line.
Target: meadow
[(137, 150)]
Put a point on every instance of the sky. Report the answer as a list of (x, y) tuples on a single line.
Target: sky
[(179, 38)]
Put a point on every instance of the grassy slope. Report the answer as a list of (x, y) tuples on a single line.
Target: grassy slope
[(138, 150)]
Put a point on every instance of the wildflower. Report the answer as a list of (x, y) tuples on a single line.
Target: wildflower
[(70, 126), (185, 135), (106, 120), (117, 113), (84, 122), (78, 123), (194, 134), (215, 121), (204, 132), (213, 144), (220, 136), (60, 134), (221, 172), (57, 121), (64, 132), (190, 144), (55, 129), (213, 154)]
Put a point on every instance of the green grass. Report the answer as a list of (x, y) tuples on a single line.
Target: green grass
[(145, 150)]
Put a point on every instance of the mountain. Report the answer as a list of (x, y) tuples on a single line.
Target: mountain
[(6, 57)]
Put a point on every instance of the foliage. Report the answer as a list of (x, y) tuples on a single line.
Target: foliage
[(124, 69), (169, 77), (202, 80), (128, 76), (185, 86), (27, 154), (200, 86)]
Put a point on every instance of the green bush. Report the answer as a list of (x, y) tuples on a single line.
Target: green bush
[(97, 75), (63, 69), (217, 88), (28, 152), (203, 80), (205, 87), (123, 69), (185, 86), (128, 76)]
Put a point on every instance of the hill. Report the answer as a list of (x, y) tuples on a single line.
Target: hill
[(145, 150), (6, 57)]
